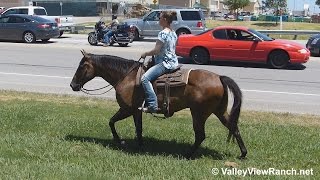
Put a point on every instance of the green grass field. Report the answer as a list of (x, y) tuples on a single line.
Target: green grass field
[(65, 137)]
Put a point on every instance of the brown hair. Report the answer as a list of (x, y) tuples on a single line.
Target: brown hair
[(169, 15)]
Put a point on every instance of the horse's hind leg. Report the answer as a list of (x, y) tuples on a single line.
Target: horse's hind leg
[(225, 121), (199, 119), (242, 147), (121, 114)]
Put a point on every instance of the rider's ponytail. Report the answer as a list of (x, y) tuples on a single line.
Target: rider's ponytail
[(169, 16)]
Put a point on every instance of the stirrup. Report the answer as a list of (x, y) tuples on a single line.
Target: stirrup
[(148, 110)]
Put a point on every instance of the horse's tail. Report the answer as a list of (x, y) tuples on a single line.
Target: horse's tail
[(237, 101)]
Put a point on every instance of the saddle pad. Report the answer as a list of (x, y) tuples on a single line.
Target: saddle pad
[(177, 78)]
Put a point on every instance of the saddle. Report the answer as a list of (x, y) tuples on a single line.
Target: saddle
[(177, 78)]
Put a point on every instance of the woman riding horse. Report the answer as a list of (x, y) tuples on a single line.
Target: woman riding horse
[(165, 59)]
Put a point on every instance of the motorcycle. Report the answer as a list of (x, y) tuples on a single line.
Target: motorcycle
[(123, 35)]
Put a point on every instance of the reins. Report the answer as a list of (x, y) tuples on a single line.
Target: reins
[(87, 91)]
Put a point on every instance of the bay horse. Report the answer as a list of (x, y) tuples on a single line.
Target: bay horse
[(205, 93)]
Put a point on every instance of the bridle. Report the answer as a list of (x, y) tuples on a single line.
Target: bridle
[(88, 91)]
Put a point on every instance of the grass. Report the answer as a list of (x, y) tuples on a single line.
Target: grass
[(65, 137)]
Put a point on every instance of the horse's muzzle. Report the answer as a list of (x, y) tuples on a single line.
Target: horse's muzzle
[(75, 87)]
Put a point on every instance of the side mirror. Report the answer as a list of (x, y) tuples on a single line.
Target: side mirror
[(256, 39)]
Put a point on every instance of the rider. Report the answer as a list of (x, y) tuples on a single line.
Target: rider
[(112, 29), (165, 59)]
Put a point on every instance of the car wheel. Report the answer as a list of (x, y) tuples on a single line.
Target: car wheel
[(92, 39), (29, 37), (200, 56), (278, 59), (182, 31), (123, 44), (136, 35), (44, 40)]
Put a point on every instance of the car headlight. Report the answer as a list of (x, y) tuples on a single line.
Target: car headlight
[(302, 51)]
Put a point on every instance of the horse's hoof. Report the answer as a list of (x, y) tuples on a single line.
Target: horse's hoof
[(242, 157), (119, 142)]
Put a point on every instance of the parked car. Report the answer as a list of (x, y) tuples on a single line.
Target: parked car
[(188, 21), (64, 22), (27, 28), (237, 43), (313, 45)]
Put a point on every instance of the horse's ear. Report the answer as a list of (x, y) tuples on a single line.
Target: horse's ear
[(84, 53)]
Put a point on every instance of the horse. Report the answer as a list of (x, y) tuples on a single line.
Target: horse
[(204, 94)]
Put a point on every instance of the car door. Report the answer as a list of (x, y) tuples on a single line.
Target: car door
[(15, 27), (3, 28), (219, 48), (151, 26), (243, 45)]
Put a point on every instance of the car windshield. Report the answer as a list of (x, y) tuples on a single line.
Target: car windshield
[(261, 35)]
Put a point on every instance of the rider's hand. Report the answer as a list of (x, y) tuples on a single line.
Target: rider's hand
[(143, 55)]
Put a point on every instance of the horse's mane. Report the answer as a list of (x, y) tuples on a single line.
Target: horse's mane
[(114, 62)]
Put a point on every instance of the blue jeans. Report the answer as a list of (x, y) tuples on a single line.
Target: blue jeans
[(106, 37), (152, 74)]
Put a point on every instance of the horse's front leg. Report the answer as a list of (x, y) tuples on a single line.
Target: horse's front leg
[(137, 116), (120, 115)]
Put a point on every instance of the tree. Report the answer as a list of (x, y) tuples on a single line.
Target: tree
[(279, 7), (235, 5)]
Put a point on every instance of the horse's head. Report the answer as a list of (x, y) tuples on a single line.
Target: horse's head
[(84, 73)]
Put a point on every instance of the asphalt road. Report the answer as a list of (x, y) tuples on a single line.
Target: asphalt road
[(49, 67)]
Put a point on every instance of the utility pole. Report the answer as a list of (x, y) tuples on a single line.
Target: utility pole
[(280, 18), (61, 8)]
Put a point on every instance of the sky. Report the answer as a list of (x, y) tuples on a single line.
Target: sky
[(298, 5)]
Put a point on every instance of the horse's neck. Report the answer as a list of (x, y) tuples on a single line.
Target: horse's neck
[(110, 74)]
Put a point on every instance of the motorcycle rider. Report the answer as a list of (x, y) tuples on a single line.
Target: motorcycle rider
[(112, 28)]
